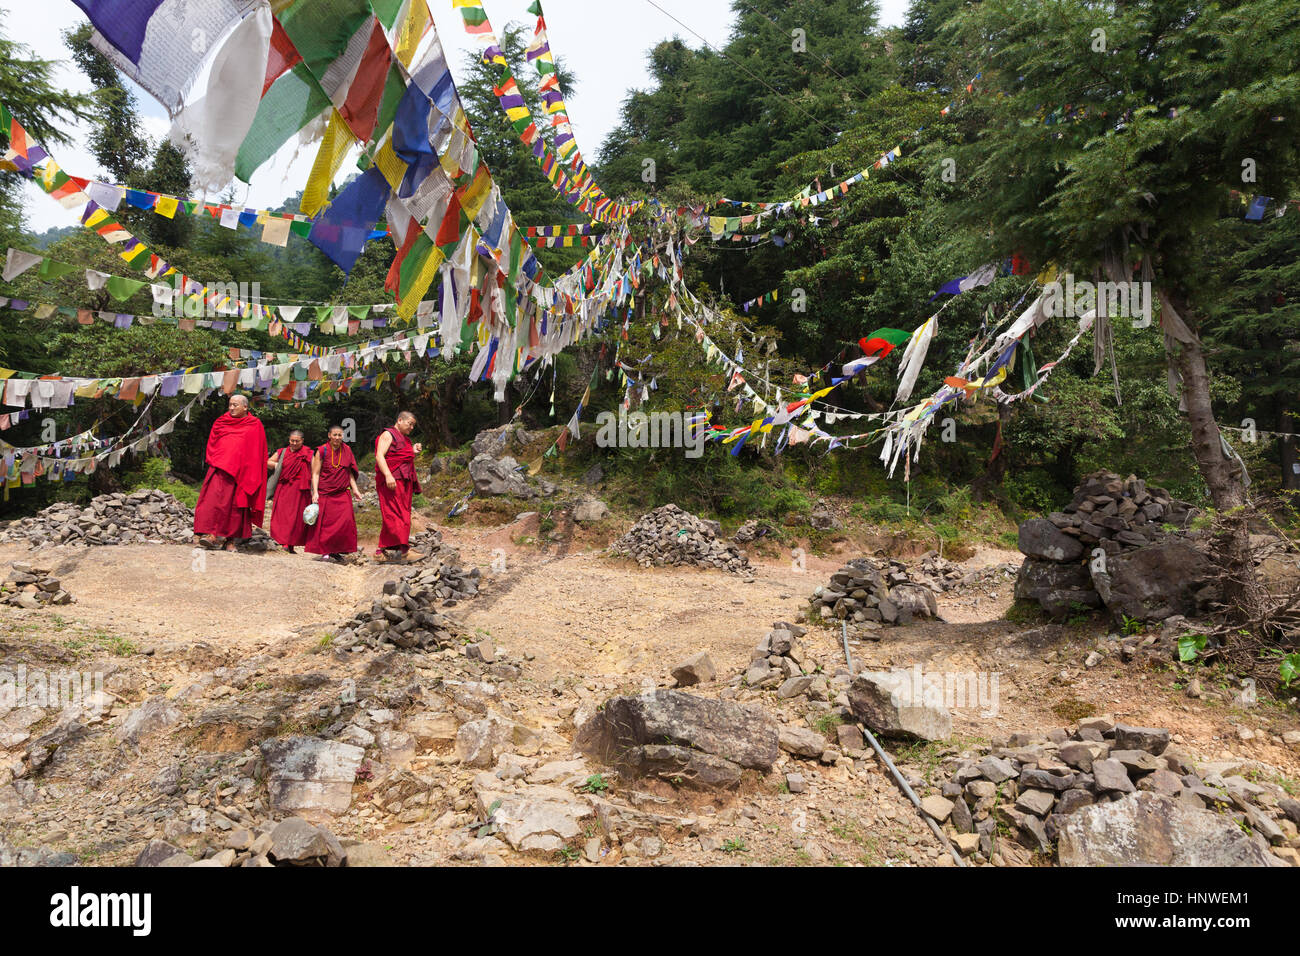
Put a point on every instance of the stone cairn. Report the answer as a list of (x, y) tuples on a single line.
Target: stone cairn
[(671, 537), (868, 597), (407, 614), (1031, 784), (1113, 513), (31, 587), (780, 661), (1152, 568), (147, 515)]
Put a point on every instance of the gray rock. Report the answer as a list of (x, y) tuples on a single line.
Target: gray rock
[(367, 855), (494, 476), (698, 669), (156, 852), (996, 769), (1037, 802), (1072, 800), (590, 509), (801, 741), (961, 818), (480, 742), (684, 767), (1159, 581), (1151, 739), (794, 686), (1039, 538), (745, 736), (937, 807), (1154, 830), (1137, 761), (889, 704), (1055, 586), (307, 773), (1112, 775), (295, 842)]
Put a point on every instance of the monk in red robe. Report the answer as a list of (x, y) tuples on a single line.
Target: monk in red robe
[(292, 492), (397, 484), (333, 486), (233, 497)]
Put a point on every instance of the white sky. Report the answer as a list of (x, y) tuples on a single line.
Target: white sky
[(595, 39)]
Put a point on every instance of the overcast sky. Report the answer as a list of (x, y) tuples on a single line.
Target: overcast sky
[(604, 44)]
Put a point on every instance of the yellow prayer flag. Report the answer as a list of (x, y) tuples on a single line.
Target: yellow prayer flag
[(166, 206)]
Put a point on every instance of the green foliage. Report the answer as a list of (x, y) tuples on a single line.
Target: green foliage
[(1190, 646), (155, 473)]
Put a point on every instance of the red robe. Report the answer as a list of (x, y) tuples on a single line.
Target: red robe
[(233, 497), (395, 505), (292, 495), (335, 530)]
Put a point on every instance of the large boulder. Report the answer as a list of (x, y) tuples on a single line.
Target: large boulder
[(1055, 586), (1150, 829), (495, 442), (665, 732), (498, 476), (1039, 538), (307, 773), (1156, 582), (896, 704)]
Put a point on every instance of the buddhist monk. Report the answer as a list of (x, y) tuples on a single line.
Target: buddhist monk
[(292, 492), (233, 497), (333, 486), (396, 483)]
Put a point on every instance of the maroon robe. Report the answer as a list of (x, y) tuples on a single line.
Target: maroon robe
[(233, 496), (395, 505), (292, 495), (335, 530)]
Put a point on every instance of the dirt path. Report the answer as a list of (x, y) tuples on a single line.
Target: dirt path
[(587, 627)]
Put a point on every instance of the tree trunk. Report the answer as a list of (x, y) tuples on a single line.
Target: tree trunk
[(1223, 476), (1286, 423)]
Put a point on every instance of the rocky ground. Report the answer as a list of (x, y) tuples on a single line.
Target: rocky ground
[(228, 710)]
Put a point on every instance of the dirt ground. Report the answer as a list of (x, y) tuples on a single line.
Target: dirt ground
[(211, 629)]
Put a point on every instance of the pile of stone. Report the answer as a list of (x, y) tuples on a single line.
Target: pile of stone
[(780, 661), (869, 596), (31, 587), (291, 842), (147, 515), (1087, 791), (671, 537), (941, 575), (1113, 513), (407, 614), (1110, 547), (750, 531)]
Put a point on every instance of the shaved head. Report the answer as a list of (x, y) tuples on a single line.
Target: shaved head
[(404, 416), (297, 432)]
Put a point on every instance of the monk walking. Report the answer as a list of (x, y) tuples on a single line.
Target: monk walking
[(397, 484), (292, 492), (233, 497), (333, 486)]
